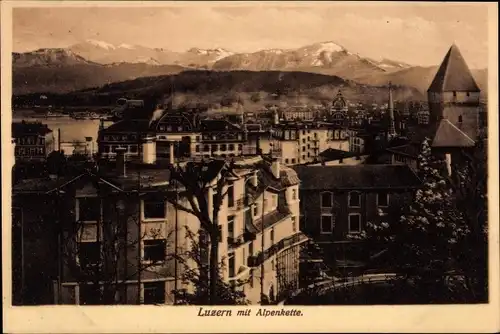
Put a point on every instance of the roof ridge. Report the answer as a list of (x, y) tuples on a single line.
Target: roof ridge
[(463, 133)]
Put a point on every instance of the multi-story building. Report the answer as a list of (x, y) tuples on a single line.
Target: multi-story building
[(338, 110), (300, 143), (122, 227), (33, 141), (338, 201), (182, 133)]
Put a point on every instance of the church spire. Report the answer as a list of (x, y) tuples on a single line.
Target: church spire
[(392, 130)]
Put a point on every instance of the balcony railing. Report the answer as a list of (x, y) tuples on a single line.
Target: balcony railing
[(254, 261), (234, 242)]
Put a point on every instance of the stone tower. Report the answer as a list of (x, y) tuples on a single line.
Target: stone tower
[(454, 95)]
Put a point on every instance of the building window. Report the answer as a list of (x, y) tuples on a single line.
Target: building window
[(272, 236), (154, 250), (154, 293), (468, 94), (454, 94), (89, 208), (231, 265), (383, 199), (294, 194), (286, 160), (197, 148), (223, 147), (206, 148), (230, 195), (293, 160), (326, 200), (230, 227), (89, 254), (154, 209), (231, 147), (460, 119), (326, 224), (240, 147), (294, 224), (303, 148), (214, 147), (354, 199), (250, 248), (354, 223), (255, 209), (197, 138), (133, 148), (303, 140), (90, 294)]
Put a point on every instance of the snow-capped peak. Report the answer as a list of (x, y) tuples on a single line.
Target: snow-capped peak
[(101, 44), (126, 46), (329, 47)]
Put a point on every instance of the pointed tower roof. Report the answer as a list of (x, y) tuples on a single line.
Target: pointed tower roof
[(453, 74)]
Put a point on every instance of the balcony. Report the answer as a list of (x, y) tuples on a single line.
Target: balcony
[(254, 261), (235, 242)]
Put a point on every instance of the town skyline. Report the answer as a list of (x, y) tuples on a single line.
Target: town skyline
[(380, 31)]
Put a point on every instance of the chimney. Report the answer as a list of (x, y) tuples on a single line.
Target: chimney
[(149, 150), (120, 161), (171, 156), (448, 163), (255, 180), (275, 168)]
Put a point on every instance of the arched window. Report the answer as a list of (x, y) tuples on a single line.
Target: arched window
[(354, 199), (326, 199)]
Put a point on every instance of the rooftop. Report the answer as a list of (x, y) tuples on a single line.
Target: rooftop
[(453, 74), (357, 177), (27, 128)]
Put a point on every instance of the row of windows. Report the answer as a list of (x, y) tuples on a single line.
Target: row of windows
[(354, 199), (328, 223), (29, 141), (221, 147), (154, 293), (112, 148), (32, 151)]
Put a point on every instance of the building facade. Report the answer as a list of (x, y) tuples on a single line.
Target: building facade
[(33, 141), (115, 244), (338, 201)]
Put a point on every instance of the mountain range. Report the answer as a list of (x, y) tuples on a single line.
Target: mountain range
[(95, 63)]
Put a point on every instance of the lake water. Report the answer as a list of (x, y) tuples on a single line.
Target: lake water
[(71, 129)]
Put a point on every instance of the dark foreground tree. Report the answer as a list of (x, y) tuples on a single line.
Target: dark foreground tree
[(193, 267), (425, 238)]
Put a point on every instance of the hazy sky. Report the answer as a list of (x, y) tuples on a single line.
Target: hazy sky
[(419, 34)]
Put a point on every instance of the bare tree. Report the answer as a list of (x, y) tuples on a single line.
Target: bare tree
[(96, 248)]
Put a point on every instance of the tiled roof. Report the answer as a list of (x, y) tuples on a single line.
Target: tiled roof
[(218, 125), (288, 177), (453, 74), (128, 125), (24, 128), (448, 135), (356, 177), (410, 149), (334, 154), (268, 220)]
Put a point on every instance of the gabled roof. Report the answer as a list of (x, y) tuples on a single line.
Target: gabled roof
[(29, 128), (453, 74), (356, 177), (448, 135)]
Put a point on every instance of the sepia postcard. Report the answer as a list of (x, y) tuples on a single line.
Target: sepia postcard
[(229, 167)]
